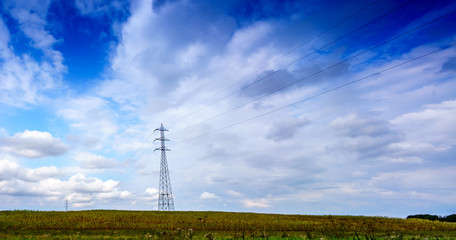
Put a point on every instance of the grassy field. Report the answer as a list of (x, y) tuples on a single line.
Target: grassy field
[(109, 224)]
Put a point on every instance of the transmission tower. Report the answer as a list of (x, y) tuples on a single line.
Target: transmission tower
[(66, 205), (165, 195)]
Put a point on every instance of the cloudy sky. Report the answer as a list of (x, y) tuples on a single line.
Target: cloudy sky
[(302, 107)]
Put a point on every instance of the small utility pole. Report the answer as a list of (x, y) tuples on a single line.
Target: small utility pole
[(165, 195), (66, 205)]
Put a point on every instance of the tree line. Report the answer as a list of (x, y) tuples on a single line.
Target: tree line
[(449, 218)]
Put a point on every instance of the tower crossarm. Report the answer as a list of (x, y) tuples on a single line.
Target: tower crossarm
[(161, 139), (161, 149), (161, 129)]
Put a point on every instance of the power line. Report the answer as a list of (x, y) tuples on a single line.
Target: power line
[(290, 64), (400, 35), (301, 58), (323, 70), (319, 94), (123, 175), (180, 117), (129, 170), (251, 74)]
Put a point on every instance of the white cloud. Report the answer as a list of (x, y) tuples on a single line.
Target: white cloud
[(427, 184), (433, 125), (354, 126), (90, 115), (152, 191), (83, 184), (79, 200), (80, 190), (31, 16), (286, 128), (190, 56), (208, 195), (33, 27), (149, 69), (11, 170), (8, 169), (247, 40), (151, 195), (403, 159), (433, 112), (33, 144), (234, 193), (256, 203), (86, 191), (383, 140), (94, 161), (415, 147), (366, 136), (25, 80)]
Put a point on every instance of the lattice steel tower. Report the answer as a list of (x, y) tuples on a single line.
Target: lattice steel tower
[(165, 195)]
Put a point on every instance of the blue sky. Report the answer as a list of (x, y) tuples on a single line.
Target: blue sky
[(324, 107)]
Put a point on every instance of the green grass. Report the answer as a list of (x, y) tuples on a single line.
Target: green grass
[(110, 224)]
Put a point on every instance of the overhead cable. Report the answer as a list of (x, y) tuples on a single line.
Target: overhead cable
[(318, 95), (301, 58), (320, 71), (180, 117)]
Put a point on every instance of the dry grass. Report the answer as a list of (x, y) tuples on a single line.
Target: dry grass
[(110, 224)]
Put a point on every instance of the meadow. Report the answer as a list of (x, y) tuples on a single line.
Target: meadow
[(115, 224)]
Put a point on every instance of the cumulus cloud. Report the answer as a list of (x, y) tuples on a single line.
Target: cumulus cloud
[(234, 193), (366, 136), (256, 203), (25, 81), (383, 140), (31, 17), (151, 194), (355, 126), (86, 191), (33, 144), (208, 195), (432, 112), (149, 68), (94, 161), (46, 182), (83, 184), (10, 170), (434, 124), (152, 191), (89, 114)]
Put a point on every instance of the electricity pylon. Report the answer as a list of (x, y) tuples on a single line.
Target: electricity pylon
[(165, 195)]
